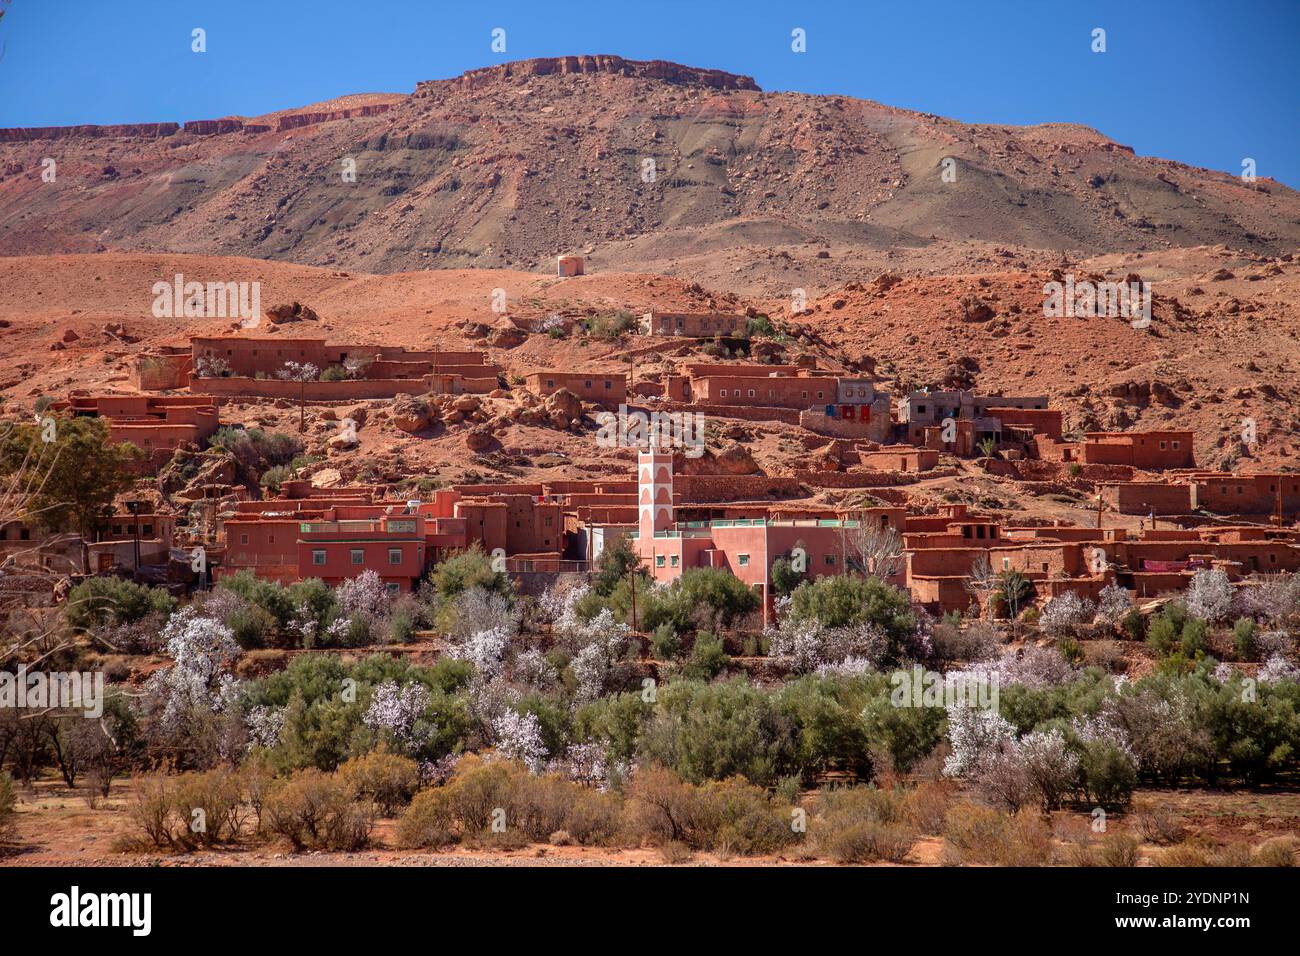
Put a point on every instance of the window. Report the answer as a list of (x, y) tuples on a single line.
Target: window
[(148, 531), (744, 560), (1006, 564), (659, 560), (1175, 446), (270, 539), (722, 393), (243, 539), (25, 534), (587, 384), (318, 557), (394, 555), (804, 393), (820, 394), (550, 383), (1162, 446), (920, 409), (830, 560), (751, 393), (358, 556), (393, 588), (675, 560), (608, 384)]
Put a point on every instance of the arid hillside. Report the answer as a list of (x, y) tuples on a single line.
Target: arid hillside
[(645, 167), (1222, 346)]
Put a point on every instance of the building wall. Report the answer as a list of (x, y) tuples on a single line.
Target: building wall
[(1154, 450), (780, 391), (694, 324), (1147, 497), (604, 388)]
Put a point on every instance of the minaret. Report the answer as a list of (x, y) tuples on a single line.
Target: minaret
[(654, 492)]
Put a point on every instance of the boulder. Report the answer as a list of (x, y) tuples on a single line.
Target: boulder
[(736, 460), (565, 404), (293, 312), (478, 439), (412, 414), (507, 337)]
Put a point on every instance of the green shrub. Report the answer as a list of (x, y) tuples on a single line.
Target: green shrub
[(276, 476), (665, 643), (708, 658), (1244, 634), (99, 601), (700, 597), (844, 600)]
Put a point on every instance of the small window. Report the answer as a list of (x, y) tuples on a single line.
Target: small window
[(608, 384), (318, 557), (1175, 446), (751, 393), (393, 588), (1006, 564), (722, 393), (830, 560), (820, 394), (744, 560), (358, 556), (550, 383), (148, 531), (674, 560), (394, 555), (243, 539), (25, 534), (659, 560), (587, 384)]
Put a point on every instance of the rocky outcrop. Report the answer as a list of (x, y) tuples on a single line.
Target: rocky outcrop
[(592, 64), (413, 415), (147, 130), (294, 312)]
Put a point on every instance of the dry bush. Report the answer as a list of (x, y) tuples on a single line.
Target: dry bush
[(387, 779), (594, 818), (862, 825), (675, 852), (1108, 655), (976, 834), (189, 811), (926, 806), (1186, 854), (1119, 849), (8, 800), (658, 807), (211, 808), (1280, 851), (1233, 854), (734, 816), (428, 822), (316, 810), (481, 795), (1160, 825)]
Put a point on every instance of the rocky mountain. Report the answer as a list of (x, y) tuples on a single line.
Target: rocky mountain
[(645, 166)]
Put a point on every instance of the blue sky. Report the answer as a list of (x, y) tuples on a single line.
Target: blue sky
[(1200, 81)]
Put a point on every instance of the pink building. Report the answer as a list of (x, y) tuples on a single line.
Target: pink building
[(746, 547)]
